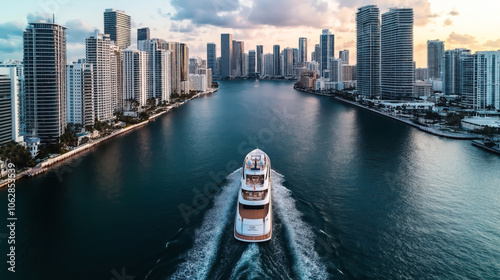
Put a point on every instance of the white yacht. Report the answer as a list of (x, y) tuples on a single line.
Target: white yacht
[(253, 221)]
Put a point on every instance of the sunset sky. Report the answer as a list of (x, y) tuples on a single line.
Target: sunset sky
[(468, 24)]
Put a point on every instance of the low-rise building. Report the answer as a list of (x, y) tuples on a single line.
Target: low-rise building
[(480, 123)]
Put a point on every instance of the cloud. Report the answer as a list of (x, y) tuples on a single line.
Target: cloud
[(454, 12), (11, 45), (11, 29), (421, 8), (223, 13), (447, 22), (77, 31), (183, 28), (234, 14), (459, 39), (34, 17), (493, 44), (290, 13), (349, 44)]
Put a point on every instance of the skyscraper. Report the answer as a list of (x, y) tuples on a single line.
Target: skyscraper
[(435, 59), (302, 50), (368, 50), (135, 69), (159, 74), (326, 42), (238, 51), (45, 80), (116, 59), (10, 126), (184, 67), (211, 56), (251, 62), (336, 71), (260, 59), (344, 55), (453, 59), (396, 51), (276, 60), (480, 78), (226, 43), (287, 65), (80, 93), (142, 34), (12, 89), (117, 25), (268, 64), (98, 53)]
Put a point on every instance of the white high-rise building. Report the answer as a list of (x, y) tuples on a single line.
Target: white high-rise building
[(80, 93), (135, 78), (336, 71), (198, 82), (10, 107), (116, 58), (17, 113), (480, 78), (98, 53), (159, 69)]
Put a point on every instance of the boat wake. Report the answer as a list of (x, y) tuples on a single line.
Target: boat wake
[(249, 265), (207, 238), (289, 254), (306, 263)]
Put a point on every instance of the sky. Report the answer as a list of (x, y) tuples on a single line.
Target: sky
[(460, 23)]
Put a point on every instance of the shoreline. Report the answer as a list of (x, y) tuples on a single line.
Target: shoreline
[(47, 164), (456, 136)]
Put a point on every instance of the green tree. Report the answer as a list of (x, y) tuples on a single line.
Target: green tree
[(17, 154)]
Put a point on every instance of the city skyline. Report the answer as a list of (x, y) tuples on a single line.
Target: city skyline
[(197, 23)]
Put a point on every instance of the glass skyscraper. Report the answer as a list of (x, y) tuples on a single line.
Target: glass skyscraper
[(45, 80), (368, 50), (117, 25), (396, 37)]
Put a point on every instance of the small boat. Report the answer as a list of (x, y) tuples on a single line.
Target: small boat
[(253, 221)]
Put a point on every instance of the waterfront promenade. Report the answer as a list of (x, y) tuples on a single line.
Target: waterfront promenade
[(430, 130), (48, 163)]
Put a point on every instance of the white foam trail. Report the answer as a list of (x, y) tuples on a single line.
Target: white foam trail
[(207, 237), (250, 262), (307, 263)]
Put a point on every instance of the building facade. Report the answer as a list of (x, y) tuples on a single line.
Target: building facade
[(211, 56), (396, 51), (98, 53), (45, 80), (368, 50), (302, 51), (435, 59), (135, 78), (327, 47), (80, 93), (117, 25), (143, 34), (226, 43), (276, 60)]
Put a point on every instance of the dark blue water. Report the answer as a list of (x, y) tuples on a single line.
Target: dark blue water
[(355, 195)]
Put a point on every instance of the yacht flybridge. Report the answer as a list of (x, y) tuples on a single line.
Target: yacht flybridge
[(253, 211)]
